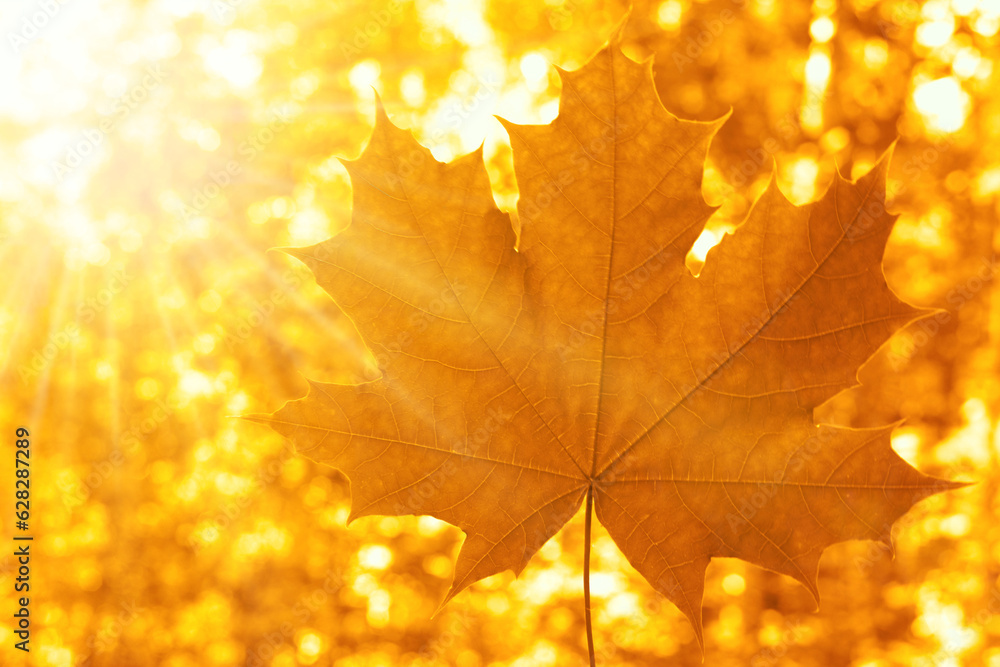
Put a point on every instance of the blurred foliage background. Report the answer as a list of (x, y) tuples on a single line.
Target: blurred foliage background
[(153, 151)]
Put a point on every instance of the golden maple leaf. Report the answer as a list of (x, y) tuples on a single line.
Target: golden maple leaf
[(583, 362)]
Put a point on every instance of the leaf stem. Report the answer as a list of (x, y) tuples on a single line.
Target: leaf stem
[(586, 577)]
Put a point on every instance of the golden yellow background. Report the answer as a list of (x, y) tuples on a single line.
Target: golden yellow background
[(152, 152)]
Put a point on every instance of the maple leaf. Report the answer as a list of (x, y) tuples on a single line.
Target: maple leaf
[(584, 362)]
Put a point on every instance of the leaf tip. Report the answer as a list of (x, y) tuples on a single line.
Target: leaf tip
[(879, 171), (886, 540), (452, 592), (348, 164), (299, 253), (812, 585), (254, 417), (379, 106), (721, 120), (887, 154), (699, 633), (292, 251), (933, 312), (806, 572), (508, 125), (942, 485), (618, 32), (277, 249)]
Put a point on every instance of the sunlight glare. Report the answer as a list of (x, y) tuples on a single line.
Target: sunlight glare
[(669, 14), (942, 103), (707, 240), (234, 60), (822, 29), (364, 76)]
